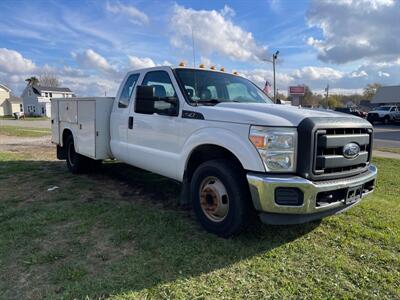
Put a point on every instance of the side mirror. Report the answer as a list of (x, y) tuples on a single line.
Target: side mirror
[(123, 104), (144, 102)]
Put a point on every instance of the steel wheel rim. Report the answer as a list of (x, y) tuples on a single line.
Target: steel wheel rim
[(214, 199)]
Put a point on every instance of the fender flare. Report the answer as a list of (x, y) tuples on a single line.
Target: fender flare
[(243, 150)]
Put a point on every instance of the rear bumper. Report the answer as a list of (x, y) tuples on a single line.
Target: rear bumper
[(262, 188)]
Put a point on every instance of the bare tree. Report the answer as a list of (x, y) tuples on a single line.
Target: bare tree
[(370, 90), (49, 79)]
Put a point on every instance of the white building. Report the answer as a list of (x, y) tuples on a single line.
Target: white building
[(8, 104), (387, 95), (36, 99)]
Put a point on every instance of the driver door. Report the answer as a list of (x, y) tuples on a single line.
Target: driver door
[(153, 139)]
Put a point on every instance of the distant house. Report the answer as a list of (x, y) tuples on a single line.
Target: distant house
[(9, 104), (36, 99), (366, 105), (387, 95)]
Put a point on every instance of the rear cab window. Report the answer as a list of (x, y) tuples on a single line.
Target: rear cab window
[(127, 90)]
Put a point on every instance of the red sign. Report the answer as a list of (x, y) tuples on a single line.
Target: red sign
[(296, 90)]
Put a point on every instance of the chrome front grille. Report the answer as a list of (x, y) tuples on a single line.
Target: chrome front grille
[(329, 158)]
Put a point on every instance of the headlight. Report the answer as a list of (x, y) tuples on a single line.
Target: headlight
[(277, 147)]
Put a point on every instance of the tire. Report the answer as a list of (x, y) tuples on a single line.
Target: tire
[(76, 162), (221, 197), (386, 120)]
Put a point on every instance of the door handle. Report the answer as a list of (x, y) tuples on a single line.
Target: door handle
[(130, 123)]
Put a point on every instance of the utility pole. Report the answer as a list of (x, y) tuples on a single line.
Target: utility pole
[(274, 58), (327, 94), (273, 61)]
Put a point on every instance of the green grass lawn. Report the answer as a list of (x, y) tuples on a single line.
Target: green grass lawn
[(120, 234), (24, 119), (392, 150), (24, 131)]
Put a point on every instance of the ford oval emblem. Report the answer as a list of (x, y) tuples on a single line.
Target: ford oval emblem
[(351, 150)]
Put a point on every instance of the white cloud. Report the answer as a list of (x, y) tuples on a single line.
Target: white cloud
[(228, 11), (74, 72), (14, 69), (206, 61), (317, 73), (259, 76), (141, 62), (12, 61), (383, 74), (135, 15), (355, 29), (92, 59), (90, 85), (338, 91), (213, 32), (275, 5), (356, 74), (166, 63)]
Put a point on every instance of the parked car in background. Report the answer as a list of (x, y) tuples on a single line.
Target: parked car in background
[(352, 111), (385, 114)]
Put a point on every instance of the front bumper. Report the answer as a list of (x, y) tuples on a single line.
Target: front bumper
[(262, 188)]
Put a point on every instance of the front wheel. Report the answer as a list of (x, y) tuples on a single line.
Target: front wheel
[(221, 197)]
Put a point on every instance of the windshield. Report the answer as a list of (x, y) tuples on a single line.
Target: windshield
[(210, 87), (383, 108)]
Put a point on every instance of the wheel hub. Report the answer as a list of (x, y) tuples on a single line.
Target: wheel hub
[(214, 199)]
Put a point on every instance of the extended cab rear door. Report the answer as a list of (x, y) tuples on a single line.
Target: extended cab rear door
[(120, 116)]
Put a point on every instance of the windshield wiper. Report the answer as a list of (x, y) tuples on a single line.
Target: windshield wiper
[(215, 101), (209, 101)]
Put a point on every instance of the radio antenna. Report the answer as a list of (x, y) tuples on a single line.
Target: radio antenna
[(194, 71), (193, 49)]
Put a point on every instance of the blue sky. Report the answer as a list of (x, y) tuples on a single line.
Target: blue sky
[(89, 45)]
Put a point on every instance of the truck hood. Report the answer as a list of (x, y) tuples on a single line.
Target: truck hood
[(264, 114)]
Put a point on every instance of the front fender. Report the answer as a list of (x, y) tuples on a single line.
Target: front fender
[(236, 142)]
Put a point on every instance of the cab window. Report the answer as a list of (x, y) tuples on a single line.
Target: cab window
[(163, 88), (127, 90)]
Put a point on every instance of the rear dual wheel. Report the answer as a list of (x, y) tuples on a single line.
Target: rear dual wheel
[(76, 162)]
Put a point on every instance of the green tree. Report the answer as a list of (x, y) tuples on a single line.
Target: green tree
[(370, 90), (32, 80), (334, 101), (309, 98)]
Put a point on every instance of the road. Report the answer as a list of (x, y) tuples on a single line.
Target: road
[(26, 123), (387, 136)]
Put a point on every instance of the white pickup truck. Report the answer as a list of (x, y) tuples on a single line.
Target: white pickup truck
[(385, 114), (235, 151)]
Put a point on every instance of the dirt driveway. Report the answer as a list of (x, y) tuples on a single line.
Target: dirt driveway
[(37, 147), (27, 123)]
